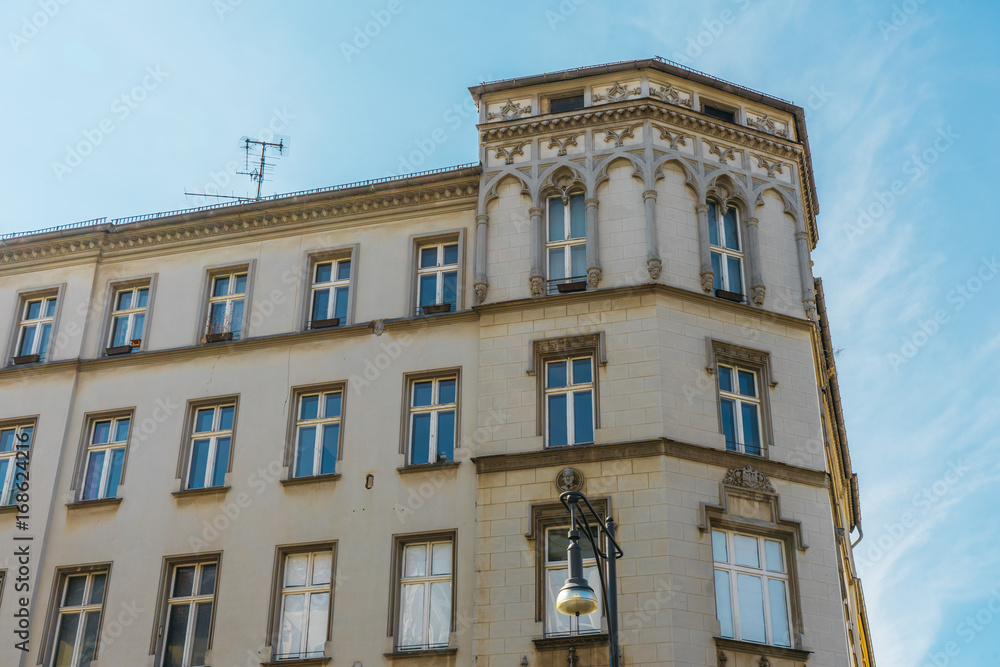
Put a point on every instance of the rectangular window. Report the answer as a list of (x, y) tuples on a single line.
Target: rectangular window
[(13, 438), (303, 610), (569, 401), (433, 413), (226, 306), (727, 257), (740, 405), (331, 285), (317, 433), (128, 319), (569, 103), (556, 572), (566, 244), (78, 618), (35, 329), (187, 628), (751, 588), (437, 278), (210, 445), (105, 457), (718, 113), (425, 595)]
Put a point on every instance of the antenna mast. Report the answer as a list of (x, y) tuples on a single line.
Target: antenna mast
[(263, 167)]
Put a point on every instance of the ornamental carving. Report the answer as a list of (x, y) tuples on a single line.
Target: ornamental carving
[(537, 286), (748, 478), (480, 290), (618, 136), (510, 111), (670, 95), (569, 479), (707, 281), (765, 124), (616, 93), (654, 266), (674, 138), (771, 167), (509, 152), (593, 277), (759, 292), (724, 152), (563, 142)]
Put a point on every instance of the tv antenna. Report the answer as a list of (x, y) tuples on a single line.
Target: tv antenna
[(259, 169)]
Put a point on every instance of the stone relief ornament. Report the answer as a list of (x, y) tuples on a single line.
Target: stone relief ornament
[(563, 142), (771, 167), (569, 479), (707, 281), (618, 136), (377, 327), (594, 278), (655, 266), (480, 290), (758, 294), (508, 152), (765, 124), (510, 111), (675, 138), (748, 478), (537, 286), (670, 95), (723, 152), (616, 93)]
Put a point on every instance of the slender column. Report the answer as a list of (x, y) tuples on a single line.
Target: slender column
[(482, 232), (805, 270), (537, 277), (653, 263), (593, 254), (707, 274), (757, 288)]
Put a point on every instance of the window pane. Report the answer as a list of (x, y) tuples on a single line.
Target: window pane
[(221, 287), (446, 436), (328, 458), (583, 417), (28, 340), (428, 289), (415, 560), (292, 620), (92, 482), (75, 587), (296, 569), (555, 374), (558, 542), (50, 307), (176, 631), (732, 235), (578, 260), (747, 383), (91, 624), (745, 551), (221, 462), (582, 370), (143, 297), (344, 269), (97, 583), (779, 615), (592, 622), (735, 277), (751, 429), (720, 552), (119, 330), (226, 414), (423, 393), (207, 585), (557, 264), (751, 600), (441, 558), (115, 473), (324, 272), (713, 225), (34, 310), (725, 378), (138, 321), (420, 442), (446, 391), (236, 322), (3, 480), (555, 623), (451, 254), (183, 581), (43, 343), (217, 318), (321, 304), (558, 435), (241, 285), (309, 407), (102, 433), (202, 625), (333, 404), (319, 605), (199, 463), (66, 639), (775, 556), (7, 440), (428, 257), (203, 420), (557, 230), (577, 217), (450, 293), (125, 300), (411, 615), (728, 409), (322, 568), (717, 270), (440, 620), (723, 603), (340, 302), (121, 430)]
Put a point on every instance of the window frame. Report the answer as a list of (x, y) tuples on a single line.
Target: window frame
[(548, 350), (447, 237), (399, 543), (213, 272), (587, 562), (722, 276), (50, 630), (736, 111), (8, 485), (23, 297), (740, 399), (110, 299), (570, 389), (317, 257), (189, 436), (275, 607), (566, 245), (756, 361), (546, 101), (86, 446), (291, 440), (157, 647), (409, 382)]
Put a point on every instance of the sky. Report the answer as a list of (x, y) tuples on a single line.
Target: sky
[(115, 109)]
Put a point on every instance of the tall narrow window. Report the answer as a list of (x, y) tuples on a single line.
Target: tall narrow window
[(303, 623), (566, 242), (739, 401), (211, 439), (78, 619), (433, 407), (128, 319), (751, 588), (437, 278), (727, 254), (569, 401), (225, 307), (556, 571), (35, 330), (105, 458), (12, 439), (189, 614), (425, 595), (317, 433), (330, 292)]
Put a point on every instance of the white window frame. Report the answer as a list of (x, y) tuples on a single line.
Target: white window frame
[(108, 448), (440, 269), (569, 390), (82, 609), (130, 313), (38, 323), (319, 423), (563, 566), (426, 580), (434, 409), (762, 573), (284, 591), (192, 601), (8, 486), (740, 399), (332, 286), (725, 279), (229, 299), (568, 240), (213, 436)]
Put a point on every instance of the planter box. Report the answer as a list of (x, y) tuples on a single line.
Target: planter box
[(121, 349), (437, 308), (325, 324), (218, 337), (577, 286), (729, 296), (26, 359)]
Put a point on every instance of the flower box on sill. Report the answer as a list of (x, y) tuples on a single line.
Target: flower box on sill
[(575, 286), (218, 337), (119, 349), (136, 342), (729, 296), (27, 359), (325, 324), (436, 308)]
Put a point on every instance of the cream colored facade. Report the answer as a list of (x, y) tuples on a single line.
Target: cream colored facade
[(646, 157)]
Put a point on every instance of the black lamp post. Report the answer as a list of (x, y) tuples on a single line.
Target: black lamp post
[(576, 596)]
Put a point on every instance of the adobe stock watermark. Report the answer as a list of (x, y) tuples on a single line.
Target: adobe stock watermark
[(232, 509), (562, 13), (33, 24), (711, 30), (958, 297), (224, 7), (121, 108), (901, 14), (363, 35), (970, 628), (453, 118), (918, 165)]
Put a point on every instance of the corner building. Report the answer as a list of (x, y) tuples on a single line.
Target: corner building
[(331, 428)]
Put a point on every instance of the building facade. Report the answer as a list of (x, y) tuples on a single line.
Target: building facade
[(332, 427)]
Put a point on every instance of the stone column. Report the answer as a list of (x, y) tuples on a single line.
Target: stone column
[(752, 253), (593, 254), (707, 274), (482, 232), (653, 263), (805, 270), (537, 277)]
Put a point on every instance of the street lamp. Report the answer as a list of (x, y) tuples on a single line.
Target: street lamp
[(576, 596)]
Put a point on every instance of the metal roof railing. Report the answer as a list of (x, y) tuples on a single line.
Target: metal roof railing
[(57, 228)]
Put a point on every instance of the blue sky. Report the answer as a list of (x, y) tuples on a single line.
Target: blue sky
[(901, 100)]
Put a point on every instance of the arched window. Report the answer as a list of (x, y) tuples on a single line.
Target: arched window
[(566, 243), (726, 248)]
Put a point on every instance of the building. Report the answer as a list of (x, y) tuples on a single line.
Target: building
[(332, 427)]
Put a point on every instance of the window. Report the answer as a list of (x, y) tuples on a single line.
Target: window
[(330, 293), (569, 401), (304, 605), (740, 404), (128, 319), (35, 330), (437, 278), (188, 616), (566, 244), (210, 445), (433, 411), (105, 457), (556, 571), (569, 103), (225, 306), (13, 438), (317, 433), (727, 257), (718, 113), (78, 618), (751, 588), (425, 595)]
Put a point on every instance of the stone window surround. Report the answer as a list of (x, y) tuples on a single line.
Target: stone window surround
[(754, 289), (109, 308), (211, 272), (314, 257), (184, 456), (404, 441), (568, 184), (399, 541), (163, 596), (552, 349), (716, 352), (277, 579), (416, 241), (288, 456), (55, 595), (22, 297), (80, 465)]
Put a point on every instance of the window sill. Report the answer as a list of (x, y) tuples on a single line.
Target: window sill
[(571, 446), (121, 349), (97, 502), (299, 662), (447, 465), (218, 337), (565, 641), (311, 479), (324, 324), (436, 309), (26, 359), (9, 509), (735, 297), (211, 490), (797, 655), (421, 653)]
